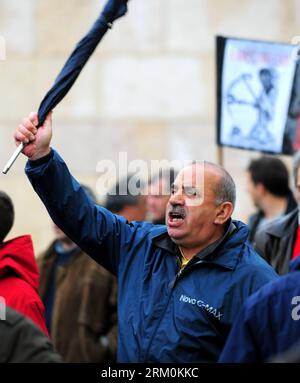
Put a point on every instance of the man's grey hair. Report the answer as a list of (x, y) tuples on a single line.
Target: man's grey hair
[(296, 165), (225, 191)]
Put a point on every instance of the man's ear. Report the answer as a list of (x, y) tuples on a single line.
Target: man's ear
[(224, 212), (260, 188)]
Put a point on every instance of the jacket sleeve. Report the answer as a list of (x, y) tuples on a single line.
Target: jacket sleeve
[(241, 346), (95, 230)]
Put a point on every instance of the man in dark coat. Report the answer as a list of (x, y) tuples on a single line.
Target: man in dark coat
[(279, 241), (268, 186)]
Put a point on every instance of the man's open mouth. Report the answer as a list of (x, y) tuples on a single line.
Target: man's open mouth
[(175, 217)]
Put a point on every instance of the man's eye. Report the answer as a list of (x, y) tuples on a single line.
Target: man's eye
[(191, 191), (174, 189)]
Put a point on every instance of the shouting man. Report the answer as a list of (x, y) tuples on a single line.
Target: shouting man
[(180, 285)]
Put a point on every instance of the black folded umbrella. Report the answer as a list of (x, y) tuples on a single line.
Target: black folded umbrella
[(113, 10)]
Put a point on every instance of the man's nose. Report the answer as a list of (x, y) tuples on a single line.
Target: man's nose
[(177, 199)]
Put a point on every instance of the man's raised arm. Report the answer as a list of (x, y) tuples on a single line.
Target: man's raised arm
[(98, 232)]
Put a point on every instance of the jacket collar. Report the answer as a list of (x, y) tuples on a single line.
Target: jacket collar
[(256, 218), (283, 226), (215, 253), (292, 204)]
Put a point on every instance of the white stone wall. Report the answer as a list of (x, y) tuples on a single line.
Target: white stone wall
[(149, 89)]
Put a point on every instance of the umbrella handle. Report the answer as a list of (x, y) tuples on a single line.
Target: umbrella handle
[(13, 158)]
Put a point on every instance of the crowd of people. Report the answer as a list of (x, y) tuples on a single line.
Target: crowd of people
[(162, 276)]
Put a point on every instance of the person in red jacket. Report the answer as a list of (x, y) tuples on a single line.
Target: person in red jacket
[(19, 276)]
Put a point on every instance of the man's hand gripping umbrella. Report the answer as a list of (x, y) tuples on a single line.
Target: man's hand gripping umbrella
[(30, 132)]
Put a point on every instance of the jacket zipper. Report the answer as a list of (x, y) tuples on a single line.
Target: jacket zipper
[(172, 285)]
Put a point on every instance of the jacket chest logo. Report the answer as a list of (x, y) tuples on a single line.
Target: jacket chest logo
[(198, 302)]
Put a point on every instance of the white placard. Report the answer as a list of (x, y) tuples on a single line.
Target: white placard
[(257, 80)]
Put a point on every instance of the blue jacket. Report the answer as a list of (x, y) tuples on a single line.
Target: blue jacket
[(164, 315), (268, 324)]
